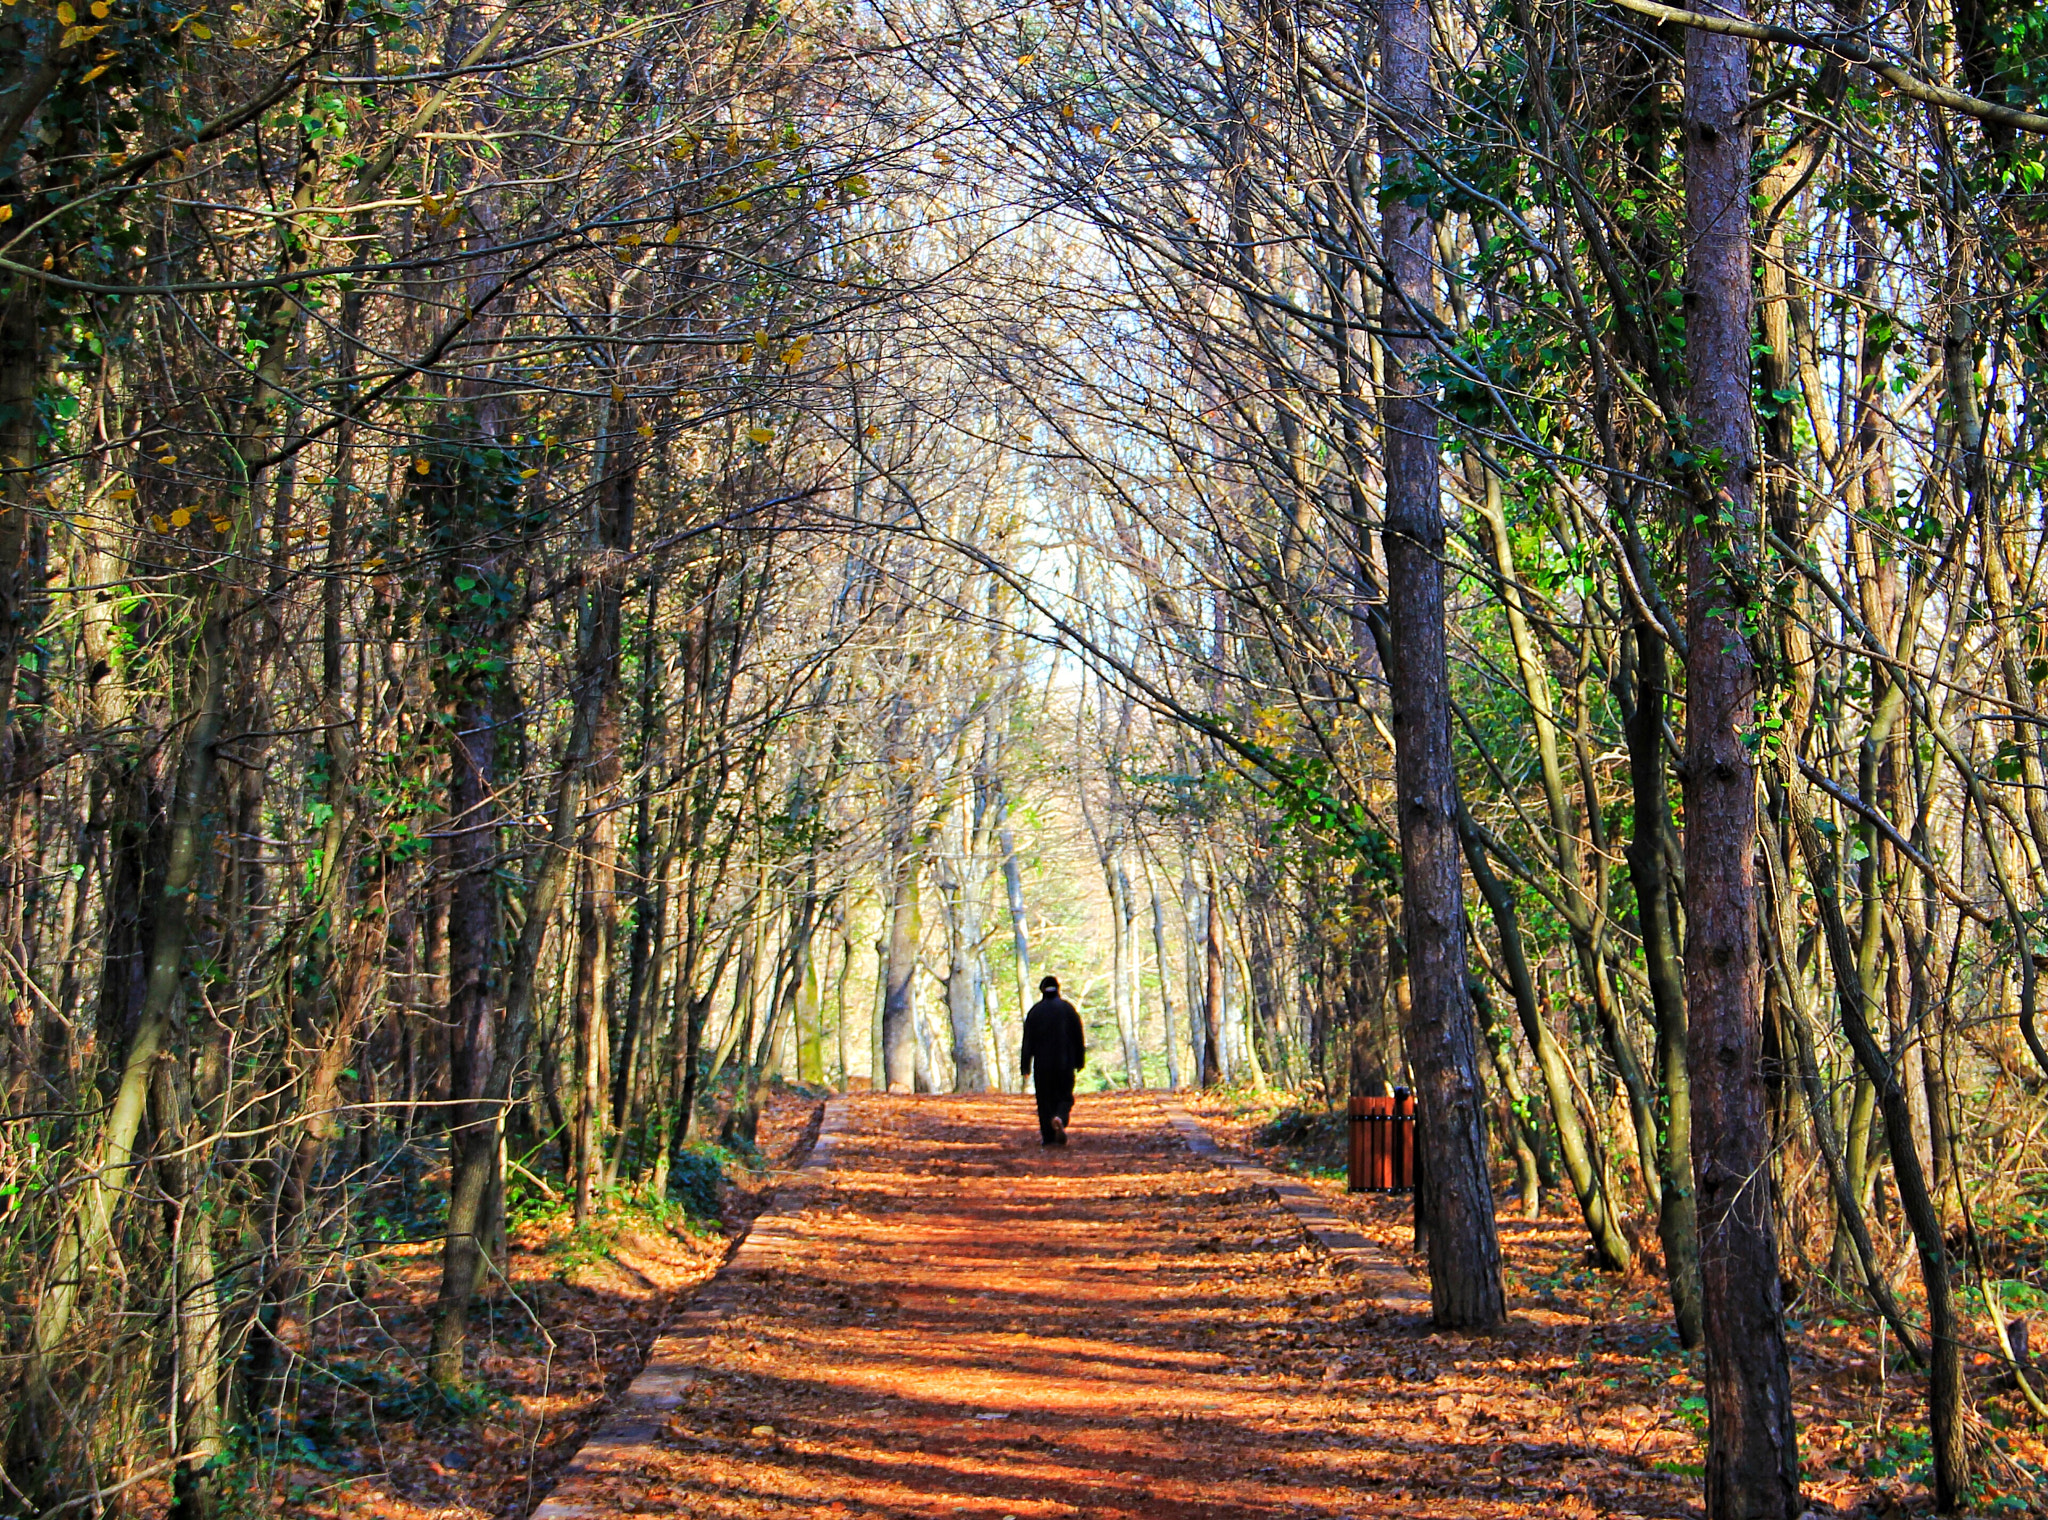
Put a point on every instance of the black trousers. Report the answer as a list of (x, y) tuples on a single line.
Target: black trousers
[(1055, 1103)]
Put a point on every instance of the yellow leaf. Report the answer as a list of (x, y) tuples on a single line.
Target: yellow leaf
[(6, 213), (529, 474), (158, 523), (762, 341), (66, 14), (78, 34), (646, 430), (421, 466), (246, 42), (761, 434), (178, 25), (101, 10), (202, 31), (794, 354), (630, 240), (91, 74), (1066, 110), (618, 394), (1024, 60), (181, 517), (222, 524), (122, 495), (732, 141), (672, 234)]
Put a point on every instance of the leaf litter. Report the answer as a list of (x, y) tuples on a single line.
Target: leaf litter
[(973, 1325)]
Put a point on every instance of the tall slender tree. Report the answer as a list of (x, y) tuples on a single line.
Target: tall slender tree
[(1752, 1444), (1454, 1199)]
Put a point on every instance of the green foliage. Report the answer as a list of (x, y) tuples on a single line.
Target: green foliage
[(1906, 1449), (1318, 1137), (696, 1179)]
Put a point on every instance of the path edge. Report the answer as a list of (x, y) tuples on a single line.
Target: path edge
[(1387, 1281), (637, 1414)]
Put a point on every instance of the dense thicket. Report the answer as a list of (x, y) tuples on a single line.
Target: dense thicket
[(558, 564)]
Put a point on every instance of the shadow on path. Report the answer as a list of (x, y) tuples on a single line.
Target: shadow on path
[(952, 1320)]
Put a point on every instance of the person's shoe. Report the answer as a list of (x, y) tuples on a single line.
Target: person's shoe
[(1059, 1129)]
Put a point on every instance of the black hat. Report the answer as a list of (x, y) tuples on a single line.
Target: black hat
[(1050, 984)]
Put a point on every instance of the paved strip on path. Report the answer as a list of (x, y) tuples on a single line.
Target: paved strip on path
[(948, 1319), (1381, 1282)]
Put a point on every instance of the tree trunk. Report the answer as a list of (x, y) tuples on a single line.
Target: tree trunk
[(1852, 1230), (1454, 1193), (650, 877), (1013, 887), (198, 1487), (810, 1015), (490, 1062), (1521, 1134), (995, 1039), (963, 984), (1923, 1218), (472, 1018), (1263, 952), (85, 1238), (1648, 855), (1194, 952), (1212, 986), (899, 977), (878, 1012), (842, 930), (1581, 1167), (1171, 1035), (591, 1029), (1123, 969), (1752, 1446)]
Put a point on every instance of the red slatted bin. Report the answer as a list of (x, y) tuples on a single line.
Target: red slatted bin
[(1382, 1158)]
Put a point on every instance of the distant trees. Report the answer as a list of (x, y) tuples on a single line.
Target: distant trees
[(531, 540), (1610, 402)]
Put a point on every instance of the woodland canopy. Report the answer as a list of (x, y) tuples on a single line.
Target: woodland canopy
[(562, 564)]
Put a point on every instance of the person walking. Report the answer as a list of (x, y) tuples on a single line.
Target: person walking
[(1055, 1047)]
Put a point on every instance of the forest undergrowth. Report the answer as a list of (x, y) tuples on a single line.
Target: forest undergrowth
[(559, 1335), (1596, 1361)]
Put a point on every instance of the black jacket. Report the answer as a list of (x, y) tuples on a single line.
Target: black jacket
[(1053, 1037)]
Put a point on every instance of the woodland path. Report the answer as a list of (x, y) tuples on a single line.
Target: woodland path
[(945, 1318)]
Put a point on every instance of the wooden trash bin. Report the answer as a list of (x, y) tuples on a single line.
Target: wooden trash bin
[(1382, 1150)]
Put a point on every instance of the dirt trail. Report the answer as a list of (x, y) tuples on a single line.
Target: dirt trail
[(964, 1323)]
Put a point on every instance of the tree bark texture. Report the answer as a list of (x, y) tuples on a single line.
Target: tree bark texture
[(1455, 1194), (899, 975), (1650, 872), (472, 1018), (1752, 1450), (1581, 1165), (1212, 986)]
